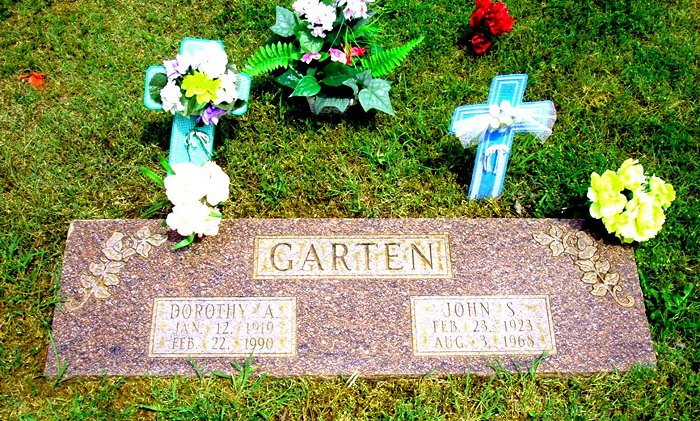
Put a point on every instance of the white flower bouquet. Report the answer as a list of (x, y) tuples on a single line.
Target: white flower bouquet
[(199, 82), (196, 193)]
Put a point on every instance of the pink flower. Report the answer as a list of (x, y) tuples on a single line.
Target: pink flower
[(306, 58), (355, 8), (338, 55)]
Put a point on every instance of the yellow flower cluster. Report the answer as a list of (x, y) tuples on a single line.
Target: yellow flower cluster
[(630, 204), (200, 85)]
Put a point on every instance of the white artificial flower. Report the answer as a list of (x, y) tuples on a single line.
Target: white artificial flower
[(218, 185), (184, 62), (300, 6), (227, 89), (213, 60), (189, 218), (355, 8), (209, 225), (170, 97), (188, 184)]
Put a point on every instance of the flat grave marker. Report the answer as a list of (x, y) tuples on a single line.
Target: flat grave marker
[(377, 297)]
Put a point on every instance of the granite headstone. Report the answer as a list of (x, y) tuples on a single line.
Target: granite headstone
[(375, 297)]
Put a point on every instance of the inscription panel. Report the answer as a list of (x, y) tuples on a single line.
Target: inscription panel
[(478, 325), (352, 257), (215, 327)]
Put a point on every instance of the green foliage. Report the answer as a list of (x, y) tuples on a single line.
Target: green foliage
[(308, 42), (384, 62), (307, 86), (285, 20), (375, 95), (290, 78), (270, 57), (337, 74), (158, 82)]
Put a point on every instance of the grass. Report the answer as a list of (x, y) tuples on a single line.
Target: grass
[(622, 74)]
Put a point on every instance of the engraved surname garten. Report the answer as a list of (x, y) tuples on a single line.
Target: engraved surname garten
[(365, 256)]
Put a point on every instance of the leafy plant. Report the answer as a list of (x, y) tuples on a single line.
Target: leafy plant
[(271, 57), (384, 62), (323, 57)]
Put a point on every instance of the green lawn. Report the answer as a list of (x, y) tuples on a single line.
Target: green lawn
[(624, 76)]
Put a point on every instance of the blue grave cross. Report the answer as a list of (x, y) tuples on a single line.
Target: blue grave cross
[(494, 124), (189, 143)]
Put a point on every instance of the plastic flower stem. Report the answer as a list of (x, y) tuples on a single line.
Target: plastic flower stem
[(153, 176), (184, 243), (166, 166), (340, 28)]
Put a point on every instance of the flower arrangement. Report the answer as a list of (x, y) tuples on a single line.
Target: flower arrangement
[(630, 204), (327, 50), (195, 192), (489, 20), (203, 84)]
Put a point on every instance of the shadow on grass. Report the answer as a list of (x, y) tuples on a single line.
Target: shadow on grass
[(157, 133), (456, 159)]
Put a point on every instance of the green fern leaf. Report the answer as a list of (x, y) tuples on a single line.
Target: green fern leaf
[(384, 62), (270, 57)]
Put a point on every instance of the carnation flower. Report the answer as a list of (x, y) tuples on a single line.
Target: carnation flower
[(214, 60), (631, 174), (188, 184), (218, 184), (637, 215), (498, 20), (193, 218), (662, 191), (228, 90), (480, 43), (488, 20), (191, 189), (606, 194), (477, 17)]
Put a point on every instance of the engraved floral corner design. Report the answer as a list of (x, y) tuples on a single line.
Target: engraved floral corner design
[(581, 248), (118, 249)]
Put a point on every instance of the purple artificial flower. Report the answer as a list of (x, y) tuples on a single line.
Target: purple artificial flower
[(212, 114), (178, 66)]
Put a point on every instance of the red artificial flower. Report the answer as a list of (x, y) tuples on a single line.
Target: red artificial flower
[(477, 17), (480, 42), (357, 51), (35, 79), (498, 20)]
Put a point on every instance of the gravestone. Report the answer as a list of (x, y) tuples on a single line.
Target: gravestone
[(376, 297)]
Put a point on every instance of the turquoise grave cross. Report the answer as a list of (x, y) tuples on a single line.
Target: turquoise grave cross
[(494, 124), (189, 143)]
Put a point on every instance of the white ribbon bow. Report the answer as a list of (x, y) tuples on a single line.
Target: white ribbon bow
[(198, 139), (499, 117)]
